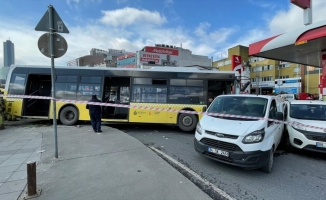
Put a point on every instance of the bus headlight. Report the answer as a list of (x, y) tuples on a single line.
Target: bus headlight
[(254, 137), (199, 129)]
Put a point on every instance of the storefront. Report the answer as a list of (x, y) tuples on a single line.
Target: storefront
[(266, 87)]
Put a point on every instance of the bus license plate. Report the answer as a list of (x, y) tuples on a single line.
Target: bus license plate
[(321, 144), (218, 152)]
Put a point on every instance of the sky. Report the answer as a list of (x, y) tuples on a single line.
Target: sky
[(206, 27)]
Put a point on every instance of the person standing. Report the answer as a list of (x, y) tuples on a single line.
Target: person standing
[(95, 114)]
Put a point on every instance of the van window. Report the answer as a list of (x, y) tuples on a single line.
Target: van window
[(244, 106), (272, 112)]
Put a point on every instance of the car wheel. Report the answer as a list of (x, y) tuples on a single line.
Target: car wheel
[(69, 116), (269, 165), (187, 122)]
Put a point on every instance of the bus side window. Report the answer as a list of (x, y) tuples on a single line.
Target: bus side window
[(17, 84)]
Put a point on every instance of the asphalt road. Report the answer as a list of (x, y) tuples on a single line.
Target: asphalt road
[(295, 176)]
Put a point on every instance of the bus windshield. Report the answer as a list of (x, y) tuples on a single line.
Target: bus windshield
[(244, 106), (308, 112)]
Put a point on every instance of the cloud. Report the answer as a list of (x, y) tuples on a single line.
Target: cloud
[(217, 37), (72, 1), (261, 4), (132, 29), (131, 16)]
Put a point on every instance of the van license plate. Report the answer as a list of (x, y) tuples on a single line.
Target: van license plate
[(218, 152), (321, 144)]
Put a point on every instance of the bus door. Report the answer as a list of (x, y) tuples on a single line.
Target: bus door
[(116, 90), (37, 85), (216, 88)]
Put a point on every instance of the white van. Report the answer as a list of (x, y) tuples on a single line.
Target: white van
[(249, 141), (301, 113)]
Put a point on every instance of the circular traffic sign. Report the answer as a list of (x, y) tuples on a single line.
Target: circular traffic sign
[(59, 43)]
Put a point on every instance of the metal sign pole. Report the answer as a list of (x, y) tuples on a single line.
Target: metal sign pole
[(52, 23), (50, 8)]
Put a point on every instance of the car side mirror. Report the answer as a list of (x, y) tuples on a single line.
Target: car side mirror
[(280, 116), (204, 109)]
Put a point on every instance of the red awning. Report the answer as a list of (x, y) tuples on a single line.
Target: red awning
[(303, 45)]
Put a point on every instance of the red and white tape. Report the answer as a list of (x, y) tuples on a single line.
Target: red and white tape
[(163, 110)]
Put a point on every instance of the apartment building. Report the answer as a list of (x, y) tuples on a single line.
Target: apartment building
[(273, 76)]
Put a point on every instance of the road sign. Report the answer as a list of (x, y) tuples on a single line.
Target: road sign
[(58, 25), (59, 42)]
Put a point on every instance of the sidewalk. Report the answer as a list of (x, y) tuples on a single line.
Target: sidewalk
[(19, 142), (111, 165)]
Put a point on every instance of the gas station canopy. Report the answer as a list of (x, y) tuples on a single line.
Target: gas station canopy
[(303, 45)]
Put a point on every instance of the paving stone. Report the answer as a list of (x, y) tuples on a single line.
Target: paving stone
[(12, 186)]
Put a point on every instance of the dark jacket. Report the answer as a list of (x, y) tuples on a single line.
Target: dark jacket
[(94, 109)]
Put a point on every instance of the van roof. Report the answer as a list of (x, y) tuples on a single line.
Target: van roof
[(252, 95), (305, 102)]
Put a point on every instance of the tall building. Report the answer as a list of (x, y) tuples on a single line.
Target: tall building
[(8, 53)]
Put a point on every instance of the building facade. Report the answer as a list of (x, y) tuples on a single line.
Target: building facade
[(272, 76), (127, 61), (168, 55), (99, 58), (8, 53)]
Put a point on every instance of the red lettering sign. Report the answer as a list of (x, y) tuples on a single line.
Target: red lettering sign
[(323, 68), (236, 61), (160, 50), (149, 59), (304, 4)]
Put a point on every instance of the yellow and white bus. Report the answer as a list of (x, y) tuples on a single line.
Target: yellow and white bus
[(178, 88)]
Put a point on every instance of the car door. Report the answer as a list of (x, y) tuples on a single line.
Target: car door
[(274, 128)]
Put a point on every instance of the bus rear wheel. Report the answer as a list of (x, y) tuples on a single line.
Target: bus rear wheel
[(69, 116), (187, 122)]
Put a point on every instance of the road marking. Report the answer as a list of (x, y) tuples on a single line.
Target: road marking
[(198, 177)]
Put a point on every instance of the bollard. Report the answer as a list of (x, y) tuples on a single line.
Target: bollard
[(31, 178), (31, 181)]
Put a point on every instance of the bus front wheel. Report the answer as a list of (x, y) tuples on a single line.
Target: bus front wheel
[(69, 116), (187, 122)]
